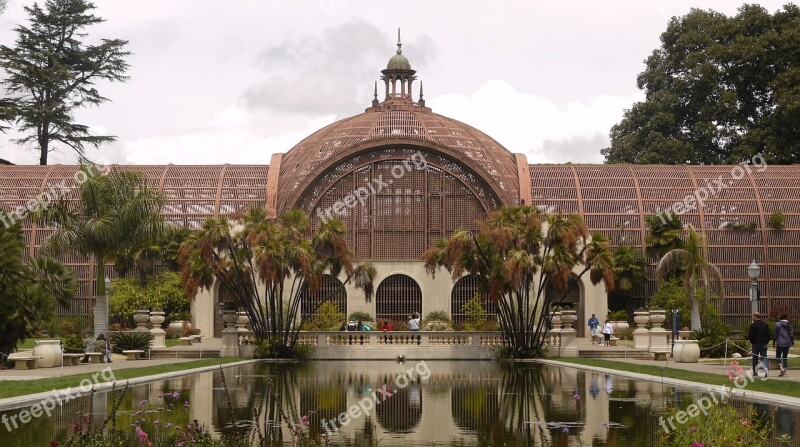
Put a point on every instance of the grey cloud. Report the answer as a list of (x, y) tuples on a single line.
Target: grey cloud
[(578, 149), (329, 74)]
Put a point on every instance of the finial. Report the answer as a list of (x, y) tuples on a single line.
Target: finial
[(420, 90), (399, 44), (376, 90), (421, 101)]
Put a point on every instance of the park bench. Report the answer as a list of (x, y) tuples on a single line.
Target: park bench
[(196, 338), (660, 353), (25, 362), (96, 357), (133, 354), (72, 359), (186, 341)]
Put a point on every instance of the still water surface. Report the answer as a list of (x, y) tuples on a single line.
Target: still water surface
[(438, 403)]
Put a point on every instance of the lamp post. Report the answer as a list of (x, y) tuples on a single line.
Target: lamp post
[(753, 270)]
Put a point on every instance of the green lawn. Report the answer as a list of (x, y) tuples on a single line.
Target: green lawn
[(12, 388), (171, 342), (777, 386)]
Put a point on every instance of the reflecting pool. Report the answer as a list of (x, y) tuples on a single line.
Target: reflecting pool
[(365, 403)]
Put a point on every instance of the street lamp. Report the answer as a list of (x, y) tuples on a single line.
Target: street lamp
[(753, 270)]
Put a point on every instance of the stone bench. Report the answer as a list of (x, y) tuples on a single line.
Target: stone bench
[(25, 362), (186, 341), (133, 354), (660, 354), (196, 338), (72, 359), (96, 357), (613, 341)]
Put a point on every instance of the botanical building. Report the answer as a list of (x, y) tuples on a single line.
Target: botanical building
[(401, 177)]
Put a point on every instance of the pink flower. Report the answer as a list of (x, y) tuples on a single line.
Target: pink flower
[(565, 430), (697, 444), (143, 438), (745, 422), (692, 429), (576, 396)]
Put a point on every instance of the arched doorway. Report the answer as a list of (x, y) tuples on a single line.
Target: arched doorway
[(463, 292), (331, 290), (397, 297), (573, 299)]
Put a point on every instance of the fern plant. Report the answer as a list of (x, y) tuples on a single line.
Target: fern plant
[(131, 341)]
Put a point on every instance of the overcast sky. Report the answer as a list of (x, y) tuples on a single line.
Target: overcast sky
[(236, 81)]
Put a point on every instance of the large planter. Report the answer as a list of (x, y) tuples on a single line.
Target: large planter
[(620, 327), (157, 318), (177, 326), (241, 320), (690, 352), (230, 317), (141, 317), (677, 350), (641, 319), (568, 317), (556, 320), (657, 317), (50, 351)]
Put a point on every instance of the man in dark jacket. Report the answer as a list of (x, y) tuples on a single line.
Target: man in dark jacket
[(759, 337)]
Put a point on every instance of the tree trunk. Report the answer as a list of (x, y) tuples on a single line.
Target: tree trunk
[(695, 314)]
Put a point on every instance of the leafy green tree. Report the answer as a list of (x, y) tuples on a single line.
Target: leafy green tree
[(517, 252), (630, 268), (276, 257), (163, 291), (699, 275), (29, 291), (719, 90), (475, 313), (160, 251), (327, 318), (52, 72), (115, 212)]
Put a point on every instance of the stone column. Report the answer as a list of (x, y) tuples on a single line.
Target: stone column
[(658, 335)]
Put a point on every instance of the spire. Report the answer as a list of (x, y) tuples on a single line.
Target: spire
[(399, 43), (421, 95), (375, 98)]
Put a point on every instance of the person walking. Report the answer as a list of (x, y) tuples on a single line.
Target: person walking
[(758, 334), (607, 331), (784, 339), (594, 324)]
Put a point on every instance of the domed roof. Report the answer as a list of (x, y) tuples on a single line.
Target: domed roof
[(398, 62), (397, 125)]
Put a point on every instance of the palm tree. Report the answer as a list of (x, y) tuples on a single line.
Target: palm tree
[(664, 234), (697, 273), (115, 214), (516, 253), (280, 257), (30, 290)]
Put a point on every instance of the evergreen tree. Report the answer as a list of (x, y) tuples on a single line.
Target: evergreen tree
[(51, 71)]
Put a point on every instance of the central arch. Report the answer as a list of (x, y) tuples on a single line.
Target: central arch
[(397, 297)]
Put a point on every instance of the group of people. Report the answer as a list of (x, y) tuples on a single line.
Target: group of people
[(413, 325), (92, 345), (759, 335), (594, 327)]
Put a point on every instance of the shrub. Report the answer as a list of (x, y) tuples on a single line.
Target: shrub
[(359, 315), (777, 221), (163, 291), (437, 315), (722, 424), (711, 340), (475, 313), (734, 225), (128, 341), (436, 325), (618, 315), (70, 326), (327, 318), (273, 349), (72, 344)]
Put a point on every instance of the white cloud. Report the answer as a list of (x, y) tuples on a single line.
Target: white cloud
[(534, 125)]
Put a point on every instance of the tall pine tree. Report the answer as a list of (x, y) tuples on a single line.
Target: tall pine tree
[(52, 71)]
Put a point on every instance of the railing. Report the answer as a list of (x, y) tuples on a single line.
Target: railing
[(401, 338)]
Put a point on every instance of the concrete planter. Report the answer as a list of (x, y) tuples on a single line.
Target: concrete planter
[(620, 326), (568, 317), (641, 319), (677, 350), (157, 318), (50, 351), (229, 317), (690, 352)]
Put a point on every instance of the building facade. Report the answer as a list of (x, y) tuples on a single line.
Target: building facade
[(401, 177)]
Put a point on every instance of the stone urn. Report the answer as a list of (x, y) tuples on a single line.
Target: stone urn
[(620, 326), (241, 320), (141, 317), (157, 318), (50, 351), (690, 352), (657, 317), (641, 319), (677, 350), (230, 317), (568, 317), (556, 320)]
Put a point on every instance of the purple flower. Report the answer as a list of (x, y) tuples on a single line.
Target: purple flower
[(692, 429), (176, 395), (565, 430), (157, 421), (576, 396), (169, 424), (142, 403)]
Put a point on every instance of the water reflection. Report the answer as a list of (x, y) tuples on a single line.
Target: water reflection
[(458, 404)]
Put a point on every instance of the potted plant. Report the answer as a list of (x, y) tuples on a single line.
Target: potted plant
[(619, 321), (641, 317), (178, 319)]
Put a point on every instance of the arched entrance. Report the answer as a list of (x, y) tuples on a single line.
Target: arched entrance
[(331, 290), (463, 292), (397, 297), (573, 299)]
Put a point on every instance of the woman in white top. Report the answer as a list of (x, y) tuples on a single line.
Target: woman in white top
[(607, 331), (413, 323)]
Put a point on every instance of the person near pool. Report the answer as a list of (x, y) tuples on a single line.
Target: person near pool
[(594, 324), (758, 334), (784, 339), (607, 331)]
